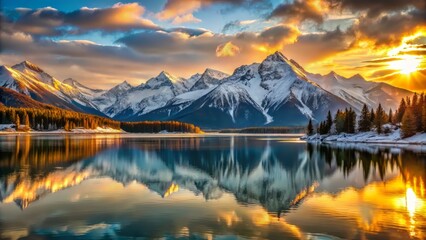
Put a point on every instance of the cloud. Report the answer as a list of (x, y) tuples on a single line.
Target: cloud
[(185, 19), (300, 10), (414, 81), (389, 29), (238, 25), (376, 7), (227, 50), (168, 43), (177, 9), (383, 60), (206, 43), (316, 46), (120, 16), (189, 31), (52, 22)]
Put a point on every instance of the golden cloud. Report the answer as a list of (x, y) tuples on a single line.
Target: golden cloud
[(227, 49)]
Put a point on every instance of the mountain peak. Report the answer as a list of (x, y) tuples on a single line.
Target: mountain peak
[(332, 74), (164, 74), (124, 84), (29, 65), (210, 70), (215, 73), (277, 57), (357, 77)]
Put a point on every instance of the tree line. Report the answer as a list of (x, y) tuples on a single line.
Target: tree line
[(158, 126), (410, 117), (25, 119)]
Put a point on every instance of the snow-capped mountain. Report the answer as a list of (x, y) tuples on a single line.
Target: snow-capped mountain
[(29, 79), (210, 78), (110, 97), (275, 92), (88, 93), (201, 84), (357, 91), (153, 94)]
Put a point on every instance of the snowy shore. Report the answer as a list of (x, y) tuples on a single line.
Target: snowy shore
[(372, 137)]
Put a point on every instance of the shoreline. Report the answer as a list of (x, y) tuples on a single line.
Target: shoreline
[(392, 138), (210, 134)]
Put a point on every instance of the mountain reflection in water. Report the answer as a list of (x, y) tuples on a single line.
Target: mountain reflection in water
[(249, 186)]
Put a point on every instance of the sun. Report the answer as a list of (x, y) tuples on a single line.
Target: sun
[(406, 64)]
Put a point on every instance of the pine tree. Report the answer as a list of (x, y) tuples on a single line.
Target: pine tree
[(418, 108), (351, 120), (408, 127), (401, 110), (310, 128), (364, 123), (414, 101), (390, 116), (329, 122), (26, 120), (379, 119), (67, 125), (372, 116), (424, 118), (339, 121), (17, 122)]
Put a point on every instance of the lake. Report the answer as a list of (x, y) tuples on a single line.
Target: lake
[(208, 187)]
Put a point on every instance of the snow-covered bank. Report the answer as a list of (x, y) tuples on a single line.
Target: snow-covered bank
[(393, 137)]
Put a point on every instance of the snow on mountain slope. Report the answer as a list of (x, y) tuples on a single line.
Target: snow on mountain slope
[(357, 91), (110, 97), (29, 79), (42, 90), (227, 105), (275, 92), (291, 97), (210, 78), (87, 92), (155, 93), (189, 83)]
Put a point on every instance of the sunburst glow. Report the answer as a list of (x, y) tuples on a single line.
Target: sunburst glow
[(406, 65)]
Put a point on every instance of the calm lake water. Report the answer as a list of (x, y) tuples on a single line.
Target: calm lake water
[(207, 187)]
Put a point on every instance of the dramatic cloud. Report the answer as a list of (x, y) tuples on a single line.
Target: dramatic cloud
[(389, 29), (316, 46), (300, 10), (167, 43), (52, 22), (183, 9), (376, 7)]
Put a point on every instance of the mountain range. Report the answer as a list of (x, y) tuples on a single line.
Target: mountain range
[(275, 92)]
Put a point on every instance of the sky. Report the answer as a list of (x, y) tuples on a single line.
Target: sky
[(103, 43)]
